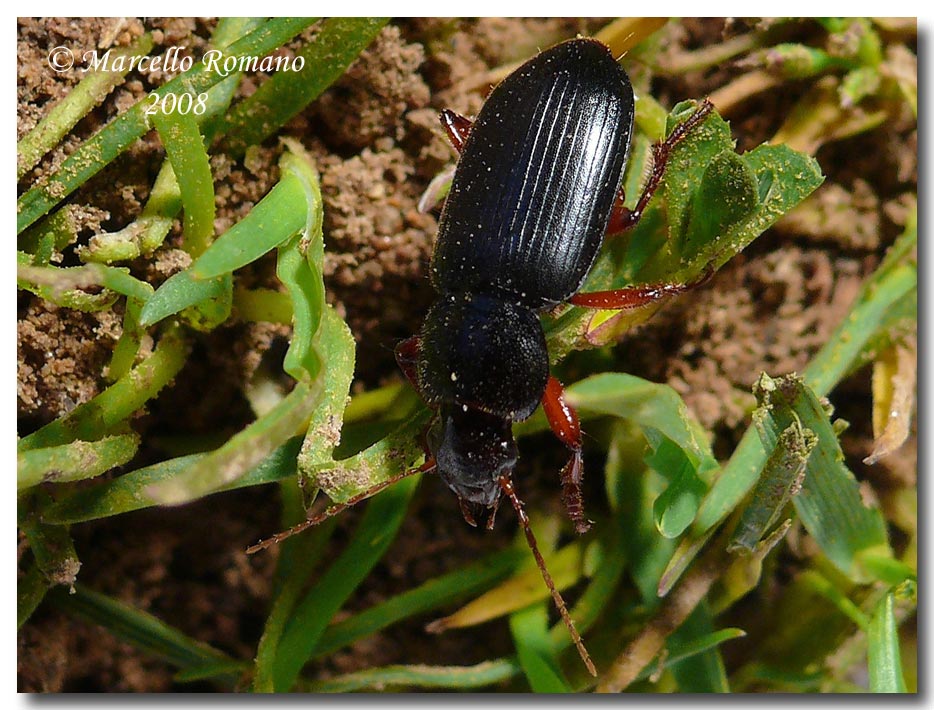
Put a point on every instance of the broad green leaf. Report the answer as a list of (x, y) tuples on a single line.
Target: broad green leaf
[(676, 507), (712, 204), (662, 415)]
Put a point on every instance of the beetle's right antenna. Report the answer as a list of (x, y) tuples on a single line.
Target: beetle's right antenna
[(505, 482), (338, 507)]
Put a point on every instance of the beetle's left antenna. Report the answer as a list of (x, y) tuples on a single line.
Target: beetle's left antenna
[(505, 482), (337, 508)]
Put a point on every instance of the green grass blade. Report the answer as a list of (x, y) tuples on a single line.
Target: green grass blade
[(298, 557), (781, 478), (278, 216), (30, 591), (128, 492), (679, 651), (242, 452), (119, 134), (262, 305), (89, 92), (337, 43), (529, 628), (377, 529), (100, 415), (443, 590), (138, 628), (127, 346), (518, 592), (885, 664), (63, 286), (391, 455), (829, 503), (448, 677), (181, 291), (51, 545), (184, 147), (75, 461), (702, 672)]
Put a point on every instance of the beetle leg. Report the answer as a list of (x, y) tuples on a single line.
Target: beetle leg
[(566, 426), (623, 219), (620, 215), (457, 127), (407, 353), (635, 296)]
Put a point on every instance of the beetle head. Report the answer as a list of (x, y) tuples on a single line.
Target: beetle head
[(472, 449)]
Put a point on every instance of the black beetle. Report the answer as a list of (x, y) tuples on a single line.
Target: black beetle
[(536, 189)]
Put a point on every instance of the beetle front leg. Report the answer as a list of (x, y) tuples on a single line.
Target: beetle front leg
[(457, 127), (622, 219), (566, 426)]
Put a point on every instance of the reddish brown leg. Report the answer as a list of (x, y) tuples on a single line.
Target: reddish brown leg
[(634, 296), (407, 357), (457, 127), (622, 218), (338, 507), (566, 426), (506, 484)]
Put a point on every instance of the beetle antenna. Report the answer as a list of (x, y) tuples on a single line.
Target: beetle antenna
[(506, 484), (333, 510)]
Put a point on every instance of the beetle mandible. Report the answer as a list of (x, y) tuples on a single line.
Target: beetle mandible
[(536, 188)]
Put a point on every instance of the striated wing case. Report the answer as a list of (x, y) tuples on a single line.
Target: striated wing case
[(537, 178)]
